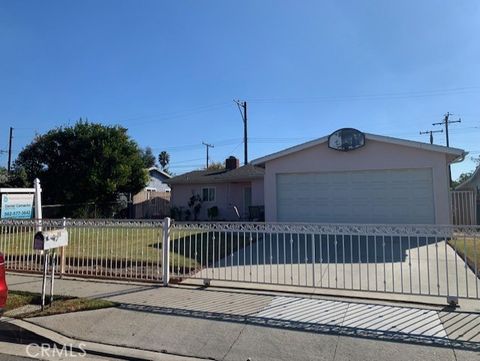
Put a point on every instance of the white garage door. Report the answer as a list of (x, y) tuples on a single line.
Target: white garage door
[(383, 196)]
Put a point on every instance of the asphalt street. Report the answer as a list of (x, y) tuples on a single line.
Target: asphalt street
[(15, 334), (4, 357)]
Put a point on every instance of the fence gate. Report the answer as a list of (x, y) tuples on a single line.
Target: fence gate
[(464, 207), (417, 260)]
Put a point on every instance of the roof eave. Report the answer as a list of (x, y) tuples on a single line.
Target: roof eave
[(160, 171), (215, 181), (470, 179), (458, 153)]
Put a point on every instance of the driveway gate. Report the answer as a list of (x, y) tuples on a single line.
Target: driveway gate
[(420, 260)]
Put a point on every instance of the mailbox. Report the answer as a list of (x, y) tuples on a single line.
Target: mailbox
[(50, 239)]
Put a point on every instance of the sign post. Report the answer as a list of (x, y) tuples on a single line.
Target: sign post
[(17, 203), (49, 241)]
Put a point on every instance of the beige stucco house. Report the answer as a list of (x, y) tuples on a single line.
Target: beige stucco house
[(380, 180), (236, 191)]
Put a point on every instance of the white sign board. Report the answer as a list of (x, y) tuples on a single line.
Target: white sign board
[(50, 239), (17, 206)]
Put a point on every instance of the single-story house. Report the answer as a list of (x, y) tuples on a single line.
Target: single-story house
[(234, 190), (347, 177)]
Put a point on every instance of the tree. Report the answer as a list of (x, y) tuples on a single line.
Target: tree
[(216, 166), (148, 157), (17, 178), (164, 159), (84, 163), (462, 178)]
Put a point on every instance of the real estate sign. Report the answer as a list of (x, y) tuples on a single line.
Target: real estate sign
[(17, 206)]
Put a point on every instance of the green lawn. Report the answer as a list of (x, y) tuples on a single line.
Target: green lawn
[(18, 299), (103, 244), (468, 249), (61, 304), (128, 245)]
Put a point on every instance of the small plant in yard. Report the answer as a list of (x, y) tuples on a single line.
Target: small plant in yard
[(176, 213), (195, 204), (212, 213)]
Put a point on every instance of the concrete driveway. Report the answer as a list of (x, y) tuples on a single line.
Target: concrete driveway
[(384, 266)]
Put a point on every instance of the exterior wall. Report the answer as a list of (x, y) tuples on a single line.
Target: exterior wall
[(156, 181), (150, 204), (374, 155), (227, 195), (258, 193)]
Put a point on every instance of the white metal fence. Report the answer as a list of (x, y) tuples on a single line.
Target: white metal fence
[(122, 249), (397, 259), (419, 260)]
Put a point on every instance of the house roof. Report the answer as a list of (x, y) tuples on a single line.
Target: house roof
[(457, 155), (155, 169), (470, 180), (245, 173)]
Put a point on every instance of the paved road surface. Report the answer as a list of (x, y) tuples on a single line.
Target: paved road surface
[(4, 357), (236, 325)]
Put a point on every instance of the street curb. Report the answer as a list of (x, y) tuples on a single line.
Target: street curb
[(99, 349)]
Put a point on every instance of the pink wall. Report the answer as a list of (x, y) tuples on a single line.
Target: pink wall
[(227, 196), (374, 155)]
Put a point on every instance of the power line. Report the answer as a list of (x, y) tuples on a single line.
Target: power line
[(380, 96), (170, 116)]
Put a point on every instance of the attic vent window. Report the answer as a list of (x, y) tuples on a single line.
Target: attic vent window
[(346, 139)]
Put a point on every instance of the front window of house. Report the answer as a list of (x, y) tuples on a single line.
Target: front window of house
[(208, 194)]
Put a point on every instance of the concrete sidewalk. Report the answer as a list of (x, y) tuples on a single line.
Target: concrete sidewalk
[(237, 325)]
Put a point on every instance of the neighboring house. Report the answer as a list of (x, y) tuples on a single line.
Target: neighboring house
[(472, 183), (157, 180), (154, 200), (380, 180), (236, 191)]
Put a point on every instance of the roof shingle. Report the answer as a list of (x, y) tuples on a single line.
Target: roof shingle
[(244, 173)]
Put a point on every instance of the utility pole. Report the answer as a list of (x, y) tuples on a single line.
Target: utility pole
[(242, 106), (208, 146), (445, 123), (10, 151), (431, 133)]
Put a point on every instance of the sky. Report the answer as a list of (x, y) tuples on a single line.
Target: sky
[(169, 71)]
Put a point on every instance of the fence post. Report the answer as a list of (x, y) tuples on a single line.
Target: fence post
[(166, 251), (62, 251), (38, 205)]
